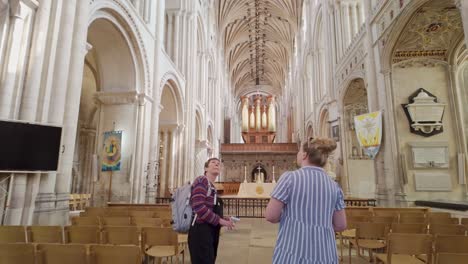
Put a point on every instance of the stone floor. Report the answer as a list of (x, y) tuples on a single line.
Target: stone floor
[(252, 242)]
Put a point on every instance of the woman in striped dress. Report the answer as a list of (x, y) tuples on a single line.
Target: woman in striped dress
[(310, 208)]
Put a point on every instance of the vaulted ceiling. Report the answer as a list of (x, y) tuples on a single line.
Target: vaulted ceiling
[(258, 38)]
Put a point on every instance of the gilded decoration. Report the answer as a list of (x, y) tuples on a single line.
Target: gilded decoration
[(432, 30)]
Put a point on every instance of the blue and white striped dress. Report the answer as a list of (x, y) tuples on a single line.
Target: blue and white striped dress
[(306, 232)]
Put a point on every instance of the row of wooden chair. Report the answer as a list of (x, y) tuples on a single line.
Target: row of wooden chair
[(160, 213), (156, 242), (79, 201), (407, 213), (117, 235), (70, 254), (407, 220), (121, 221), (372, 236), (423, 248)]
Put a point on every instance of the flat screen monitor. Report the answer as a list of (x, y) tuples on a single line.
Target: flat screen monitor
[(29, 147)]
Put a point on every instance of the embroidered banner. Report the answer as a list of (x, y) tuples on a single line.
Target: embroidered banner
[(369, 132), (111, 152)]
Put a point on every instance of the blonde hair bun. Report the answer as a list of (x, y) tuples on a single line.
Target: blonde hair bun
[(326, 145)]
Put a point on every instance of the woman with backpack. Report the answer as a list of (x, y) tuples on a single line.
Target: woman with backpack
[(203, 237)]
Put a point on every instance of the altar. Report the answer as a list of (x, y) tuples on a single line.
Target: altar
[(255, 190)]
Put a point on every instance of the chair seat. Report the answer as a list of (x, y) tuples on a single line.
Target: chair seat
[(349, 233), (161, 251), (369, 243), (182, 238), (422, 257), (397, 259)]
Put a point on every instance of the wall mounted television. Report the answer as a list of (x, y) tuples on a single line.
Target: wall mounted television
[(26, 147)]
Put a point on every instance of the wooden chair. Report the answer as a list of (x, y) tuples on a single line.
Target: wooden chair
[(115, 221), (161, 243), (164, 214), (409, 228), (402, 248), (17, 253), (350, 232), (117, 214), (451, 258), (384, 219), (44, 234), (447, 230), (82, 235), (412, 220), (412, 214), (443, 221), (439, 215), (451, 244), (369, 236), (12, 234), (359, 212), (142, 214), (85, 221), (59, 254), (381, 213), (121, 235), (104, 254), (464, 221), (147, 222)]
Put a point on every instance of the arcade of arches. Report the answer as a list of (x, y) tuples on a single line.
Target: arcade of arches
[(243, 80)]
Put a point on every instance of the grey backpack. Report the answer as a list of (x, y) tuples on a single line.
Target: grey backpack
[(181, 208)]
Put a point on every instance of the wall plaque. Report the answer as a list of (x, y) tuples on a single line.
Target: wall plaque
[(429, 155), (433, 181)]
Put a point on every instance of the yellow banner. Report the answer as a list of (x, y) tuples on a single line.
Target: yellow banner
[(369, 132)]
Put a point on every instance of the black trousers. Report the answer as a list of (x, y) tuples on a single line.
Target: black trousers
[(203, 240)]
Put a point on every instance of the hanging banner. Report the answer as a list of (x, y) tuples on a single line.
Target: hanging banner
[(111, 152), (369, 132)]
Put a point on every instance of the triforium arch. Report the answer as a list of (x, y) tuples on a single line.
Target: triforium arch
[(171, 144)]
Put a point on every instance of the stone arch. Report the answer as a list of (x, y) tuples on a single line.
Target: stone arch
[(120, 16), (324, 125), (171, 81), (171, 119), (112, 77), (309, 131), (210, 140)]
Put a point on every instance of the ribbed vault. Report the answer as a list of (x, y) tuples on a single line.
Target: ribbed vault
[(258, 40)]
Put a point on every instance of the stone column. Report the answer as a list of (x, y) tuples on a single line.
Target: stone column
[(181, 162), (176, 44), (170, 35), (173, 158), (4, 30), (72, 105), (163, 165), (156, 106), (353, 20), (463, 6), (10, 69), (143, 104), (338, 31), (32, 85)]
